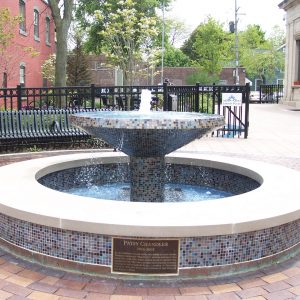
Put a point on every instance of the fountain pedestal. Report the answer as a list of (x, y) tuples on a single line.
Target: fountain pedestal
[(147, 179)]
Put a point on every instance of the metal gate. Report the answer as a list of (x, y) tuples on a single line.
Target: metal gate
[(209, 99)]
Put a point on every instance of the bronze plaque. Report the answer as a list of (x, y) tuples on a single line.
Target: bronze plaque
[(145, 256)]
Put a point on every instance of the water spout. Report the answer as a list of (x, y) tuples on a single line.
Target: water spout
[(145, 105)]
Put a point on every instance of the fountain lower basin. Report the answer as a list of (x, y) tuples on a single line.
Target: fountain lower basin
[(216, 237)]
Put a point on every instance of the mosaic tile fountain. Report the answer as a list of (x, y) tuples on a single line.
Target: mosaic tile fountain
[(257, 225), (147, 138)]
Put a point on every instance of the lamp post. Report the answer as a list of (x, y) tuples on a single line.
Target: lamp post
[(162, 43), (237, 79)]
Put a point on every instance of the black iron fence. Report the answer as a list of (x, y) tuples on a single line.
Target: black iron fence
[(197, 98), (270, 93), (87, 97)]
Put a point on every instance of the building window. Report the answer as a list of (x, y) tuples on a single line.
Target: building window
[(297, 65), (45, 82), (280, 81), (36, 24), (22, 12), (47, 30), (4, 82), (258, 83), (22, 75)]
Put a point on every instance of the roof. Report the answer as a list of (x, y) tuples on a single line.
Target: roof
[(287, 4)]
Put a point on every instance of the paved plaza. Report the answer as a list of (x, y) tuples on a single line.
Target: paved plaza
[(274, 137)]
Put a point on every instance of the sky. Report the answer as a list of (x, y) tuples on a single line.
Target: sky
[(266, 13)]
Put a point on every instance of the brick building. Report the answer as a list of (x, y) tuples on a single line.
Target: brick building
[(36, 30)]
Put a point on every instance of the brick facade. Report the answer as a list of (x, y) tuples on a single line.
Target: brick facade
[(37, 31)]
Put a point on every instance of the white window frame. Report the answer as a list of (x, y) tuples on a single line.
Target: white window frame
[(36, 24), (22, 24), (22, 73), (47, 30)]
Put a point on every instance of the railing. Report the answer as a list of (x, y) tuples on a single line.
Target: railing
[(197, 98), (87, 97), (271, 93)]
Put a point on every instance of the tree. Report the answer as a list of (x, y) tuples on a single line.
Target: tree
[(48, 69), (7, 28), (62, 15), (85, 15), (277, 37), (77, 64), (252, 38), (209, 46), (175, 32), (127, 37), (202, 77), (261, 56), (174, 57)]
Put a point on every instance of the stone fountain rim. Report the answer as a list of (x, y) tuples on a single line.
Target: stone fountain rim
[(173, 120), (264, 207)]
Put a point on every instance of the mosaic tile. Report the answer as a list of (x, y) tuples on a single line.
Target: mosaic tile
[(194, 251)]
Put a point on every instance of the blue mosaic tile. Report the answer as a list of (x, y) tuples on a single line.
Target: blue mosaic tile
[(194, 251)]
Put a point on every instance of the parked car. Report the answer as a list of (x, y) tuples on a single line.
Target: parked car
[(254, 96)]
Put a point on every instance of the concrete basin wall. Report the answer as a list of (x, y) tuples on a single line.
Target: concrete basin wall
[(240, 229)]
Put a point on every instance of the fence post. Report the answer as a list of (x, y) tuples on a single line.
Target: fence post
[(19, 97), (93, 95), (277, 93), (260, 94), (214, 101), (247, 94), (197, 97), (165, 96)]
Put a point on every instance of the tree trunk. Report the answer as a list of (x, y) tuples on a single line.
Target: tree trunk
[(61, 56), (62, 22)]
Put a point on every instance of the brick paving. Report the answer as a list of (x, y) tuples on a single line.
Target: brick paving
[(274, 137)]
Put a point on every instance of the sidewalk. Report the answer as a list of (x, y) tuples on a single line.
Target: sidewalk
[(274, 136)]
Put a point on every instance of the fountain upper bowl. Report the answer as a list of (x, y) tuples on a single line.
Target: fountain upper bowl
[(150, 134)]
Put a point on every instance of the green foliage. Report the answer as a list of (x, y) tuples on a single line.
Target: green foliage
[(127, 37), (202, 77), (209, 46), (261, 56), (35, 148), (175, 32), (85, 15), (262, 63), (252, 38), (174, 57), (8, 24), (277, 37), (48, 69)]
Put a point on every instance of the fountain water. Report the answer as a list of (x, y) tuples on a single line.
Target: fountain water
[(145, 105)]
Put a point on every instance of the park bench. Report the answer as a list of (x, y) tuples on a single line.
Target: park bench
[(38, 127)]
